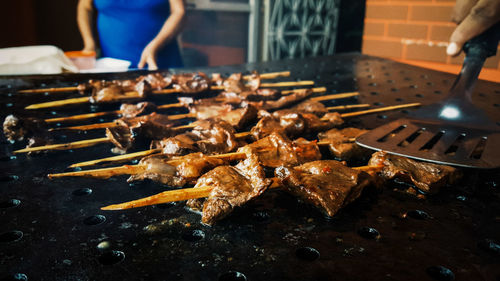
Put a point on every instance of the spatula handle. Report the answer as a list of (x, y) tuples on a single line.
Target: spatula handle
[(485, 44)]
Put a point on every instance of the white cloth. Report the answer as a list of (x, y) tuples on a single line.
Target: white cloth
[(44, 59), (109, 65)]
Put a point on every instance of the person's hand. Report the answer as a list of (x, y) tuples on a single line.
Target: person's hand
[(473, 18), (148, 56), (88, 49)]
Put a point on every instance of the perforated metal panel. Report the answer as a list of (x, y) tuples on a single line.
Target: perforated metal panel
[(54, 230)]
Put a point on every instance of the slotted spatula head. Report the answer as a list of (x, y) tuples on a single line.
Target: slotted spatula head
[(452, 132)]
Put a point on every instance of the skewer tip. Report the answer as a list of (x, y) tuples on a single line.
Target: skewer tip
[(112, 208)]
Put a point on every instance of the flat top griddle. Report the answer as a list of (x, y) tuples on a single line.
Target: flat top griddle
[(54, 230)]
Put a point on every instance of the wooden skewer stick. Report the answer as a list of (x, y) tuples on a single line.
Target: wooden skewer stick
[(115, 124), (134, 169), (132, 94), (165, 106), (270, 75), (79, 144), (182, 116), (58, 103), (70, 145), (346, 107), (87, 127), (140, 154), (105, 173), (336, 96), (81, 116), (380, 109), (65, 146), (117, 159), (287, 84), (189, 193), (314, 90), (164, 197), (48, 90), (185, 115), (97, 114), (327, 97)]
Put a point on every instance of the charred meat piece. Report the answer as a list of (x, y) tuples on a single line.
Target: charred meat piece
[(134, 110), (18, 129), (231, 187), (216, 136), (139, 130), (327, 184), (205, 109), (121, 138), (157, 81), (282, 102), (152, 126), (341, 144), (91, 85), (191, 83), (427, 177), (217, 79), (106, 94), (310, 106), (38, 141), (114, 92), (143, 88), (34, 130), (266, 126), (236, 99), (176, 172), (240, 117), (276, 150), (177, 145), (142, 84), (293, 124), (237, 84), (260, 95)]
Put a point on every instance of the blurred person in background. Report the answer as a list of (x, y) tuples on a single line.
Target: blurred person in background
[(141, 31), (473, 18)]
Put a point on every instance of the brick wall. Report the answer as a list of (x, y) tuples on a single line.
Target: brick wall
[(412, 30)]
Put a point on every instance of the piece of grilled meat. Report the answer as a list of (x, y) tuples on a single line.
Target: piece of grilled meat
[(427, 177), (327, 184)]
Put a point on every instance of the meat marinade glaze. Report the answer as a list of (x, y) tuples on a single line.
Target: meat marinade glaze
[(102, 140), (198, 108), (327, 184), (183, 83), (86, 143), (89, 85)]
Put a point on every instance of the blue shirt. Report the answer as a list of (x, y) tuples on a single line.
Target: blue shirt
[(125, 27)]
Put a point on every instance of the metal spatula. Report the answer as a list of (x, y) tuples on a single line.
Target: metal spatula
[(453, 131)]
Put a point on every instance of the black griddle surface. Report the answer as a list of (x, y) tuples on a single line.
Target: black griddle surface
[(54, 229)]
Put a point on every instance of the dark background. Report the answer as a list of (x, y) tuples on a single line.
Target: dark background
[(53, 22)]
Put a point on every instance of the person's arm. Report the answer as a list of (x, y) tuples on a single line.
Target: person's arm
[(168, 32), (473, 18), (85, 24)]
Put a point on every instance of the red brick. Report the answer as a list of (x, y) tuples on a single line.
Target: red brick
[(431, 13), (374, 28), (386, 12), (426, 52), (382, 48), (441, 33), (402, 30)]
